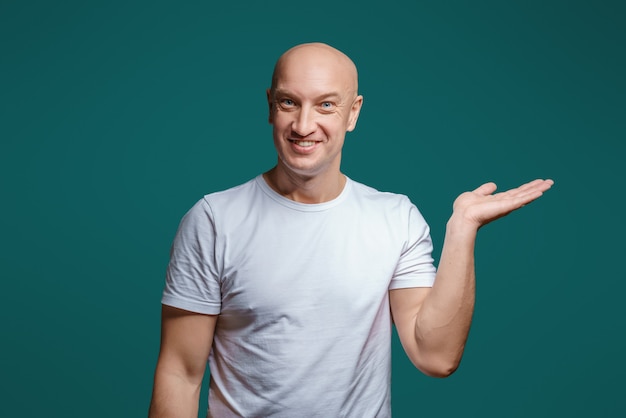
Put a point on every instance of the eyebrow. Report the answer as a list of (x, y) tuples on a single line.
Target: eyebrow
[(331, 95)]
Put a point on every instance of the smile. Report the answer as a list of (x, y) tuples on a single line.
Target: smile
[(303, 143)]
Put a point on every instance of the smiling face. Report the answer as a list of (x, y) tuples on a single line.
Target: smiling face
[(313, 103)]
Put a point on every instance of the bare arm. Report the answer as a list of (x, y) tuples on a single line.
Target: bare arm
[(433, 324), (186, 340)]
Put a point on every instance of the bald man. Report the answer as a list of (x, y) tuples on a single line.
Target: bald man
[(289, 283)]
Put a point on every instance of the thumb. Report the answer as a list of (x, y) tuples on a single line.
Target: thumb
[(486, 189)]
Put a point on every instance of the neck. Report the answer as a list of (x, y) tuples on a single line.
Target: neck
[(318, 189)]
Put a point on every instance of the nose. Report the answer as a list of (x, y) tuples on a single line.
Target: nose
[(304, 123)]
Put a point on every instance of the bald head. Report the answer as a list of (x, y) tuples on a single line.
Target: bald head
[(315, 57)]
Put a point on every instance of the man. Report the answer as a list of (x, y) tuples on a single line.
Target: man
[(289, 283)]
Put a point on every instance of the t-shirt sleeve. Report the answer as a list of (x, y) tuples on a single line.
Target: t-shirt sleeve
[(192, 278), (415, 267)]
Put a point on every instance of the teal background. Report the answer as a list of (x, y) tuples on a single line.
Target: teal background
[(115, 117)]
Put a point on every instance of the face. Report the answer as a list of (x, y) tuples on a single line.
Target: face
[(313, 104)]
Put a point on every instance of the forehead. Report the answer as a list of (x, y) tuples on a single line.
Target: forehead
[(316, 73)]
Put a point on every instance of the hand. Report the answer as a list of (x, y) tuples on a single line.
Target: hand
[(481, 206)]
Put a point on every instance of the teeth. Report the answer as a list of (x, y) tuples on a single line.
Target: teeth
[(305, 143)]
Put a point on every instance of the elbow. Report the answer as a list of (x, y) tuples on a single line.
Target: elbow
[(439, 367), (441, 371)]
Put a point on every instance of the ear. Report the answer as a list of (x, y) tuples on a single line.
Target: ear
[(354, 113), (270, 103)]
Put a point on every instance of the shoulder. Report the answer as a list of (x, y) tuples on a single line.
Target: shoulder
[(395, 207), (224, 201), (237, 197), (372, 196), (239, 192)]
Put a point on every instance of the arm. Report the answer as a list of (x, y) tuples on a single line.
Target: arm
[(433, 323), (186, 340)]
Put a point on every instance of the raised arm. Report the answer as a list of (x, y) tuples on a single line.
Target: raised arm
[(186, 340), (433, 323)]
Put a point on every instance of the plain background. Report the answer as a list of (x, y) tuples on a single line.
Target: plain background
[(116, 116)]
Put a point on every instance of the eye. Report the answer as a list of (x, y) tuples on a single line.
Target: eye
[(327, 105), (286, 103)]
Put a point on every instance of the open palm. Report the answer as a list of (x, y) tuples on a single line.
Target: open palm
[(482, 206)]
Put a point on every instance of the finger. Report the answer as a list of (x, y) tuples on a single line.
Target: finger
[(535, 186), (532, 194), (530, 187)]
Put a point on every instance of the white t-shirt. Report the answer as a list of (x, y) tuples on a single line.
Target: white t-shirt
[(304, 327)]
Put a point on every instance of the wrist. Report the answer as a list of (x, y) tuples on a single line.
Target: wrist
[(462, 227)]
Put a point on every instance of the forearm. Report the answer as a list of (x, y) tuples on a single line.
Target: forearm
[(174, 396), (443, 321)]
